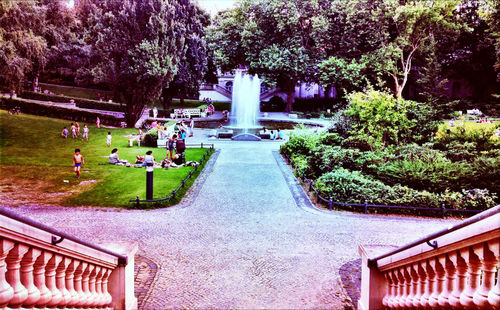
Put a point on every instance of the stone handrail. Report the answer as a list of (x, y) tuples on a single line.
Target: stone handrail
[(452, 269), (43, 268)]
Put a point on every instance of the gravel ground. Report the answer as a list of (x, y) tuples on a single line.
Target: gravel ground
[(241, 239)]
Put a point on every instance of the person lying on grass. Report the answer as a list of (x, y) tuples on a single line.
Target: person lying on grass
[(177, 162), (115, 160)]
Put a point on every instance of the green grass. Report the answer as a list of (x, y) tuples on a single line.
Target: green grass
[(69, 91), (31, 148)]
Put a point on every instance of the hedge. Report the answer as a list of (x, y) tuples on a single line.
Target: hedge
[(54, 111), (79, 102)]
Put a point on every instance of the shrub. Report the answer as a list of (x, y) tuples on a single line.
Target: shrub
[(458, 151), (151, 137), (479, 134), (301, 164), (302, 141), (331, 139), (381, 119)]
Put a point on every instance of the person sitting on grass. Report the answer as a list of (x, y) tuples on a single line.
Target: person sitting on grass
[(114, 159), (149, 160)]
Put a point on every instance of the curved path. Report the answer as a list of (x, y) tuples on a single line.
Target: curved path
[(240, 239)]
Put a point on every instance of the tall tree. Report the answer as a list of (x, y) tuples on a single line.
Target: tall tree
[(23, 47), (193, 63), (280, 40), (414, 23), (138, 44)]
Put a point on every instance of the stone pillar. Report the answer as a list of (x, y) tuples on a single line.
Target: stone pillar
[(121, 280), (374, 286)]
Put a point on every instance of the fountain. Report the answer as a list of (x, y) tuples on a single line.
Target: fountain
[(245, 107)]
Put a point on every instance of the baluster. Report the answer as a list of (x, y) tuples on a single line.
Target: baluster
[(6, 291), (402, 289), (489, 262), (27, 277), (494, 295), (50, 281), (92, 286), (85, 286), (412, 288), (78, 280), (390, 288), (450, 281), (98, 287), (60, 281), (107, 299), (39, 277), (70, 275), (422, 280), (13, 275), (438, 285), (473, 277), (459, 285), (429, 286)]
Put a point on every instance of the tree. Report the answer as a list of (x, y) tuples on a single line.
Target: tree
[(23, 48), (344, 76), (193, 64), (413, 24), (138, 46), (279, 40)]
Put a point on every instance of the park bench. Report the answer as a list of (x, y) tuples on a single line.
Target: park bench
[(187, 113)]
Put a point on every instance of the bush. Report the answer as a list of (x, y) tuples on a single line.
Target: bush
[(331, 139), (382, 120), (151, 137), (479, 134), (302, 141), (301, 164)]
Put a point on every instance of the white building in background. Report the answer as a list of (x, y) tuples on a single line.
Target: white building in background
[(222, 91)]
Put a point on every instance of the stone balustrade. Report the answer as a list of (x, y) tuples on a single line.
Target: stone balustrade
[(453, 269), (37, 273)]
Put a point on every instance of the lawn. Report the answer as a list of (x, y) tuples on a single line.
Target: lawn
[(36, 160), (77, 92)]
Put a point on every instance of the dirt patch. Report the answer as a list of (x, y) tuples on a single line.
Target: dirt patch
[(16, 189)]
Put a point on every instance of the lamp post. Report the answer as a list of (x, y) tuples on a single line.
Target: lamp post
[(149, 181)]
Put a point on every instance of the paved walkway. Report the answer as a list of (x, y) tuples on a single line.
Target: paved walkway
[(240, 239)]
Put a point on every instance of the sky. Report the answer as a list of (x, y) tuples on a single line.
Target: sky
[(213, 6)]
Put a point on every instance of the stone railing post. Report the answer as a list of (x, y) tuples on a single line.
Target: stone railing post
[(373, 282), (121, 280), (6, 291), (27, 277)]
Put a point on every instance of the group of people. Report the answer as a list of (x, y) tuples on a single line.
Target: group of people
[(272, 135), (75, 131)]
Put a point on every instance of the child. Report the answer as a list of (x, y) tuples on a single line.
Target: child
[(85, 135), (98, 122), (73, 131), (108, 139), (77, 126), (64, 133), (78, 162), (170, 146)]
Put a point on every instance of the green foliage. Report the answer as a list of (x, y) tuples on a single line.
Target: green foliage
[(151, 137), (482, 135), (79, 102), (345, 76), (380, 119), (302, 141)]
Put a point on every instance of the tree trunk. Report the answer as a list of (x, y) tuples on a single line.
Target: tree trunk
[(167, 99), (133, 110), (181, 98), (35, 82), (290, 95)]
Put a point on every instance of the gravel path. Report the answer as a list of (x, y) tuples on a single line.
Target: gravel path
[(240, 239)]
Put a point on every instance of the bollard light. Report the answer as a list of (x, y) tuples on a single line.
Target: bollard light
[(149, 181)]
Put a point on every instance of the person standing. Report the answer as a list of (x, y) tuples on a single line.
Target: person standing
[(98, 122), (191, 127), (108, 139), (77, 127), (78, 162), (171, 145), (155, 112), (85, 135), (73, 131)]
